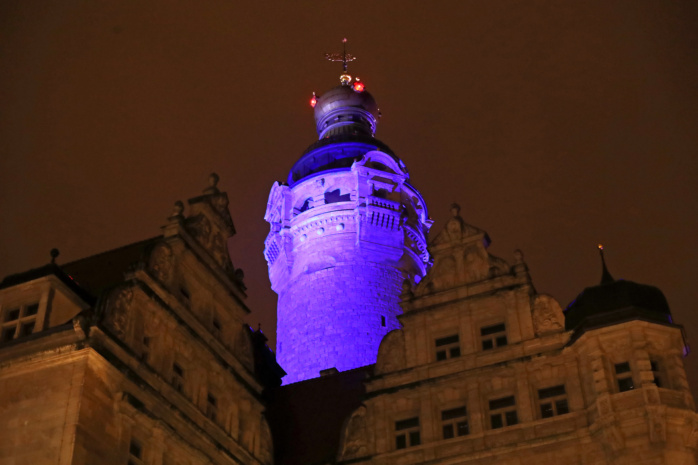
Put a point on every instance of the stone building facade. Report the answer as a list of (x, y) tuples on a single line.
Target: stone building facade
[(443, 354), (138, 355), (487, 370)]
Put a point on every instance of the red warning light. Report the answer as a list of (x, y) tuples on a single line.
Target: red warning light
[(359, 86), (313, 101)]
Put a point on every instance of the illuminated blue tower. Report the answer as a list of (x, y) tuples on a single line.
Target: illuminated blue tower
[(347, 229)]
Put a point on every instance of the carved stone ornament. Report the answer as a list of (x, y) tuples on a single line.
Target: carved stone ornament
[(355, 437), (243, 347), (117, 315), (219, 250), (657, 424), (200, 228), (391, 353), (456, 229), (547, 315), (162, 263), (220, 204)]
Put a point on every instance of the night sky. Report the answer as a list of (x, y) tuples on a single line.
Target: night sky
[(556, 125)]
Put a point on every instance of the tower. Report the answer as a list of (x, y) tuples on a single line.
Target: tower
[(347, 228)]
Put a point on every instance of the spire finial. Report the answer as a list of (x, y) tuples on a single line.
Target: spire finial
[(455, 209), (606, 277), (345, 58)]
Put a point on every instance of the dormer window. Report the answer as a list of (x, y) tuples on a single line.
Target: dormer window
[(18, 321)]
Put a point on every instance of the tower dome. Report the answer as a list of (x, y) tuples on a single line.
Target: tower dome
[(345, 232), (346, 109), (614, 301), (345, 118)]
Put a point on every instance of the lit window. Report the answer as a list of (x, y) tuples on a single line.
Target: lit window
[(553, 401), (503, 412), (447, 347), (211, 406), (624, 377), (18, 322), (454, 422), (177, 377), (656, 372), (493, 336), (407, 433), (135, 453)]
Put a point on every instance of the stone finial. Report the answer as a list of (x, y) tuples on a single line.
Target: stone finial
[(212, 188), (54, 254), (455, 209), (177, 209), (606, 277), (518, 256)]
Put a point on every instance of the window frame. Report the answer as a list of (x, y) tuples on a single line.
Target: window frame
[(492, 337), (447, 348), (555, 397), (507, 412), (657, 372), (135, 459), (407, 433), (212, 408), (623, 373), (455, 420), (178, 380), (18, 324)]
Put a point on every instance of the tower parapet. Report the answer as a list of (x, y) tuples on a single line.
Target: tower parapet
[(346, 231)]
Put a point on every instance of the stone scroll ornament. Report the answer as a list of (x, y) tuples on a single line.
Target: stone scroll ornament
[(117, 313), (391, 353), (162, 263), (355, 438), (547, 315)]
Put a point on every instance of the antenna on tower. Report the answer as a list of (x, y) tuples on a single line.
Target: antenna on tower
[(345, 58)]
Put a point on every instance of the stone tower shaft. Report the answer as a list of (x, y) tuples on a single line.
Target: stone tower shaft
[(346, 231)]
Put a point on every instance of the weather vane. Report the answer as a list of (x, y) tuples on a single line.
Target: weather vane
[(345, 58)]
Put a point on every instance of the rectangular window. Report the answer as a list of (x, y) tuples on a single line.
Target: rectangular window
[(407, 433), (18, 322), (135, 453), (211, 406), (503, 412), (493, 336), (382, 320), (624, 377), (656, 372), (177, 377), (454, 422), (447, 347), (553, 401)]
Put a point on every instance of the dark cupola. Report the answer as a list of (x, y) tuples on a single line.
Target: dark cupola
[(346, 117), (615, 301)]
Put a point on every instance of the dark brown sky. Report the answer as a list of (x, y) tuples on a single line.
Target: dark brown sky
[(556, 125)]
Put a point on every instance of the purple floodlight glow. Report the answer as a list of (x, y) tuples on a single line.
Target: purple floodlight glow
[(341, 243)]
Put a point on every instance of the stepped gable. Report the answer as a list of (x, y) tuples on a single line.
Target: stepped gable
[(460, 257)]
